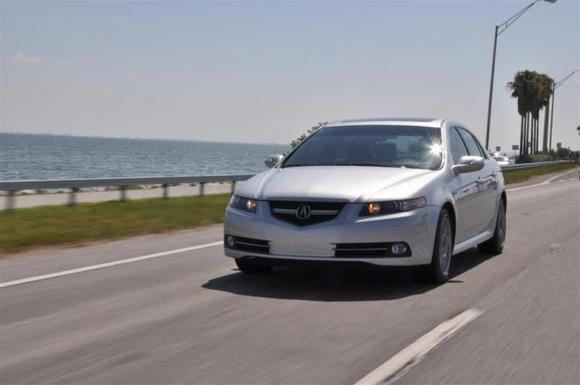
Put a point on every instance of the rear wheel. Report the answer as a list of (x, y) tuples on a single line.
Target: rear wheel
[(437, 271), (494, 245), (250, 267)]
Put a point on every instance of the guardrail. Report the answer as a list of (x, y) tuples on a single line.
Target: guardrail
[(524, 166), (74, 185)]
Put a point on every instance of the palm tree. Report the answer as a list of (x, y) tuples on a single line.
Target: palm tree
[(536, 106), (522, 88), (547, 88), (533, 91)]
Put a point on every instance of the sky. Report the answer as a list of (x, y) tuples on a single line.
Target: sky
[(264, 72)]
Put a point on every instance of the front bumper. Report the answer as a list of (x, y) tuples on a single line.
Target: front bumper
[(317, 242)]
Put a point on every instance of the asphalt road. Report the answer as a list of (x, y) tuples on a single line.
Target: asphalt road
[(191, 318)]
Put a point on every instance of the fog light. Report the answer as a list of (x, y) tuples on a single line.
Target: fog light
[(230, 241), (399, 248)]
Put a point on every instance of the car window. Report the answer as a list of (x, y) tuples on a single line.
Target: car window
[(472, 146), (481, 149), (370, 145), (456, 145)]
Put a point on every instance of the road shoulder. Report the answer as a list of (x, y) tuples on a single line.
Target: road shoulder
[(543, 178)]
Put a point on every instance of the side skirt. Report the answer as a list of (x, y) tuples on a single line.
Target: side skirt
[(472, 242)]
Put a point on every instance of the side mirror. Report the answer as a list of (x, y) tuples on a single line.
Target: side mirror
[(468, 164), (273, 160)]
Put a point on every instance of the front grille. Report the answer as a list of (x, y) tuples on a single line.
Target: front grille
[(373, 249), (248, 244), (318, 212)]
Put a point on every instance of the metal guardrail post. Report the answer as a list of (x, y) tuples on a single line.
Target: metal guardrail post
[(165, 190), (72, 201), (233, 189), (73, 186), (10, 201), (123, 196)]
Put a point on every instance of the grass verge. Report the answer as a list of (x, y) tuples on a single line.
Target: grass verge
[(53, 225), (517, 176), (57, 225)]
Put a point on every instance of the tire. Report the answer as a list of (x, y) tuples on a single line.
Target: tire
[(494, 246), (249, 267), (438, 271)]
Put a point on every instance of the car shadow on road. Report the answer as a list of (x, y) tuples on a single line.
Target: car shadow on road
[(359, 283)]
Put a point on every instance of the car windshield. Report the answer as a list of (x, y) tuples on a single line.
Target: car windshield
[(370, 145)]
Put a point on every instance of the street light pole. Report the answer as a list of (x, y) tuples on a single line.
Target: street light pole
[(491, 89), (552, 118), (556, 85), (499, 29)]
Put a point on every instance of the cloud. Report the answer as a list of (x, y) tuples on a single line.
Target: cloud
[(24, 58)]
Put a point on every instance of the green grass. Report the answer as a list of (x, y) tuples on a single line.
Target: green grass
[(518, 176), (58, 225), (53, 225)]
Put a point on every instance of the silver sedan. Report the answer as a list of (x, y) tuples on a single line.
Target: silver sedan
[(389, 192)]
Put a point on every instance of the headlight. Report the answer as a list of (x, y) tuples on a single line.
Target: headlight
[(391, 207), (245, 204)]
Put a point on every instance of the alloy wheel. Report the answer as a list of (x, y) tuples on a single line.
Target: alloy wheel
[(445, 245), (501, 225)]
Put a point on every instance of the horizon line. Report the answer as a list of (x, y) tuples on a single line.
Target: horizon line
[(138, 138)]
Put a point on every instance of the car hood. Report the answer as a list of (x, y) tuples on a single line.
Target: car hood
[(344, 183)]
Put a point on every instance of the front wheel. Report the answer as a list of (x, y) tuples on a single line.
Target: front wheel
[(437, 271), (250, 267), (494, 245)]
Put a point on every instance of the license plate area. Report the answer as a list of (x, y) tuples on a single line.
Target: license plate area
[(301, 249)]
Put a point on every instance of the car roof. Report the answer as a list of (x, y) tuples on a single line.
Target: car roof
[(423, 122)]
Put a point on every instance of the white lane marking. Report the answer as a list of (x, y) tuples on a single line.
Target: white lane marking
[(105, 265), (402, 362), (548, 181)]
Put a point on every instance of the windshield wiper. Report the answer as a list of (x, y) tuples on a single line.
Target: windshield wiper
[(357, 164), (362, 164), (304, 165)]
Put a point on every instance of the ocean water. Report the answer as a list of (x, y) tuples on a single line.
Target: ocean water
[(58, 157)]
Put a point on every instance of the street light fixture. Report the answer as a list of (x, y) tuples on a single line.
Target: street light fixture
[(499, 29), (554, 86)]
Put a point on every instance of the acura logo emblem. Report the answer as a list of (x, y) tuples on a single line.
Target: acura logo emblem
[(303, 212)]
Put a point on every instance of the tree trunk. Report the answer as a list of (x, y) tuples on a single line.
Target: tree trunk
[(535, 140), (546, 121), (534, 121), (527, 137), (538, 136), (524, 135), (535, 134), (525, 146), (537, 148), (521, 136), (532, 129)]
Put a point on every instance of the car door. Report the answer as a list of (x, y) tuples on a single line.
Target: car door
[(486, 180), (465, 190)]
